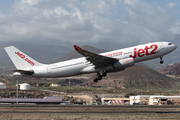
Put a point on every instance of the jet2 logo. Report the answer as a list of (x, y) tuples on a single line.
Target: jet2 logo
[(146, 51), (24, 58)]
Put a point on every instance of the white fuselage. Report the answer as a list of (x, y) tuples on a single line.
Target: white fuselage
[(81, 65)]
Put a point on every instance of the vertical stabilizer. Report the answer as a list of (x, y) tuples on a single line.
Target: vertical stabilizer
[(20, 59)]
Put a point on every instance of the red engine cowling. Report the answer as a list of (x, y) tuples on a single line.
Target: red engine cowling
[(123, 63)]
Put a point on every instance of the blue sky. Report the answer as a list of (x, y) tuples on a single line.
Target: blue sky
[(5, 5), (164, 4), (109, 23)]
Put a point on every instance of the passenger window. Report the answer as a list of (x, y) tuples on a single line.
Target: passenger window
[(169, 43)]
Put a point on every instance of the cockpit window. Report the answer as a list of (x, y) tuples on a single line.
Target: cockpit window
[(169, 43)]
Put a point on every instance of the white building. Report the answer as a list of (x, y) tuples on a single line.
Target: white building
[(160, 100), (140, 99), (154, 100), (2, 86), (55, 85), (25, 86)]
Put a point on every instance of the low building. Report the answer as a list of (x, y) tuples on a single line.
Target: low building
[(45, 100), (154, 100), (3, 86), (140, 99), (115, 101), (25, 86), (54, 85), (164, 100)]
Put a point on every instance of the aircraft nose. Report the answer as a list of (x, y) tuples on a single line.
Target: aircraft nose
[(175, 46), (171, 47)]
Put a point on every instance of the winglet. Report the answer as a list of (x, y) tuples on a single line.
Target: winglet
[(77, 48)]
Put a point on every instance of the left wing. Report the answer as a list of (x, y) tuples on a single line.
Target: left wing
[(95, 59)]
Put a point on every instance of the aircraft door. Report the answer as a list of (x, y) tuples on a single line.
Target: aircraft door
[(49, 70)]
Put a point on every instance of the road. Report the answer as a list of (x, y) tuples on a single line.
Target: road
[(80, 112), (83, 109)]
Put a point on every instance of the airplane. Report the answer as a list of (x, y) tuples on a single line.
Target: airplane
[(103, 63)]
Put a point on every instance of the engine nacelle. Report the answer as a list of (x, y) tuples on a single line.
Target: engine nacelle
[(128, 62)]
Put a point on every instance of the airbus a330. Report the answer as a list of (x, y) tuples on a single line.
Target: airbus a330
[(112, 61)]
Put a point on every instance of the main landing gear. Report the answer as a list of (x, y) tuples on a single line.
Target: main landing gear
[(161, 61), (100, 75)]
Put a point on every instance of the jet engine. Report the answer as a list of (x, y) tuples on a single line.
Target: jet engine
[(123, 63)]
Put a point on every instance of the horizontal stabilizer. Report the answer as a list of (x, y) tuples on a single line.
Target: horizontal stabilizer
[(25, 72)]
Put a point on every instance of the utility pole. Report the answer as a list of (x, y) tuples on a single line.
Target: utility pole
[(69, 82), (17, 92)]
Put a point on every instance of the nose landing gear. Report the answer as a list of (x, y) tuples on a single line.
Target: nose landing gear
[(96, 79), (161, 61), (99, 76)]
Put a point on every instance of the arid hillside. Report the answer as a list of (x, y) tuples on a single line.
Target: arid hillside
[(173, 69), (134, 77)]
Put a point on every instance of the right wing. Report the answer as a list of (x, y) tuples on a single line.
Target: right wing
[(95, 59)]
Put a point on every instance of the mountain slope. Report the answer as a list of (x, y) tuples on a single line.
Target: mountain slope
[(74, 54), (134, 77), (44, 53), (173, 69)]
